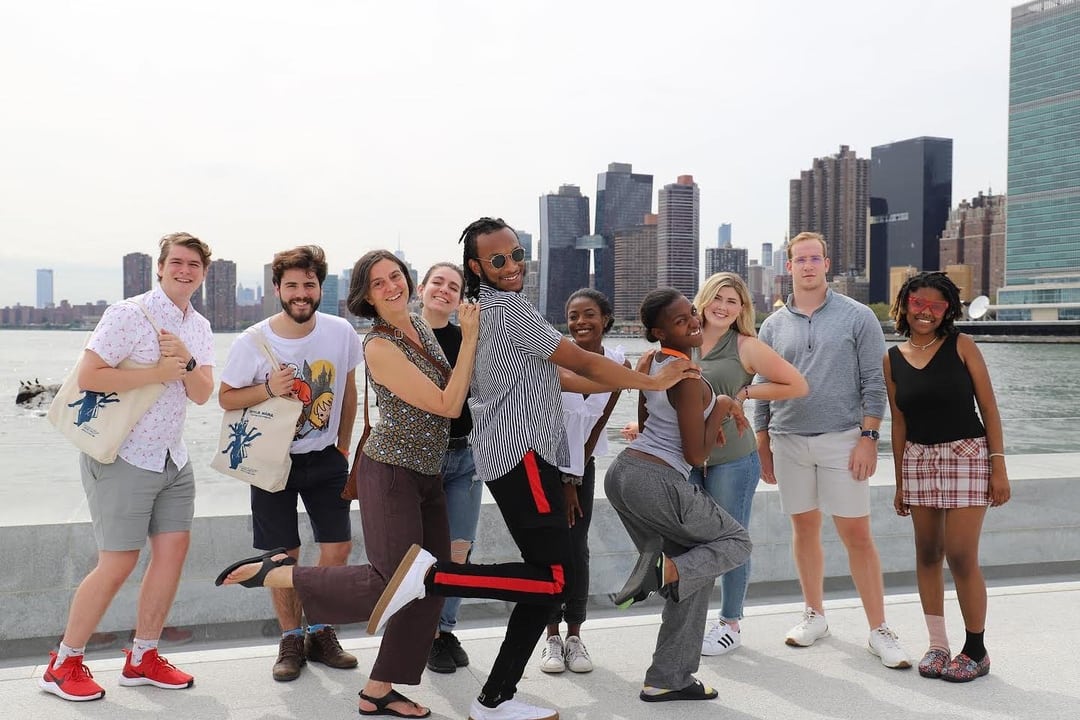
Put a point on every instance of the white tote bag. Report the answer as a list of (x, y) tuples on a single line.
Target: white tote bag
[(99, 423), (254, 442)]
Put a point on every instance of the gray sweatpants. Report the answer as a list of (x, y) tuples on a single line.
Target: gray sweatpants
[(659, 508)]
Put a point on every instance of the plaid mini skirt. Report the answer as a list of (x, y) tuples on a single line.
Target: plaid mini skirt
[(947, 475)]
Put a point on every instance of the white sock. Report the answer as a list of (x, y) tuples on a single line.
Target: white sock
[(139, 648), (67, 651)]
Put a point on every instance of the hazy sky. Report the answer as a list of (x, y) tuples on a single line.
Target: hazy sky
[(260, 125)]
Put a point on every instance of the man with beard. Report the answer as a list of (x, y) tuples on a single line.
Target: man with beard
[(318, 354)]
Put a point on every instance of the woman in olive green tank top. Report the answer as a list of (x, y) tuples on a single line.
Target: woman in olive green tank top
[(729, 357)]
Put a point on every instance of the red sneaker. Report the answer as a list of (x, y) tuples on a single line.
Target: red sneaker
[(72, 680), (154, 670)]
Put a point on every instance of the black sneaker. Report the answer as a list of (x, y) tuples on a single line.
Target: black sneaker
[(461, 658), (646, 578), (440, 659)]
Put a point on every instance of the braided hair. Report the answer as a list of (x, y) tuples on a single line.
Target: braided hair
[(936, 280), (483, 226), (652, 305)]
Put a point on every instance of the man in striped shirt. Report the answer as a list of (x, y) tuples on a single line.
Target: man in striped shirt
[(519, 441)]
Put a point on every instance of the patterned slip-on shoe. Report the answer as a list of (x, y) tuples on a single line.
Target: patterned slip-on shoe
[(933, 662), (963, 669)]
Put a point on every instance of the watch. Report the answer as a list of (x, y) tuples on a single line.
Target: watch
[(872, 434), (190, 364)]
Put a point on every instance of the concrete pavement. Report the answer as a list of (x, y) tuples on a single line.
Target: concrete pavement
[(1032, 634)]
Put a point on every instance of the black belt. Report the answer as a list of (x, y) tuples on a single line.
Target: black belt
[(458, 443)]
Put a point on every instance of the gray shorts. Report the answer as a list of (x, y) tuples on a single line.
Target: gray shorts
[(128, 504), (812, 473)]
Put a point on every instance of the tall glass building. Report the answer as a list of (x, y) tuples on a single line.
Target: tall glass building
[(1042, 246), (564, 266)]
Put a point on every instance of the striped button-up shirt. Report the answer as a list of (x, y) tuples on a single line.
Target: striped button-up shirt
[(516, 399)]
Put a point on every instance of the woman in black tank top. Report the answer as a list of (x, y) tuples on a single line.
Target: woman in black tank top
[(949, 462)]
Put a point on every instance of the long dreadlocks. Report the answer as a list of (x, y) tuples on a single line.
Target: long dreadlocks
[(483, 226)]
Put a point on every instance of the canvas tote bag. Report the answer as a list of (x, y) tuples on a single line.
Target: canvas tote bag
[(254, 442), (99, 423)]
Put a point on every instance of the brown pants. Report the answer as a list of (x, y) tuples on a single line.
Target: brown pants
[(398, 507)]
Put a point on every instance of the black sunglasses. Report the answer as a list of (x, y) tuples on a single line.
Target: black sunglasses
[(498, 260)]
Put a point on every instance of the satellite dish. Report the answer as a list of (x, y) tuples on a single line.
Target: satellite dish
[(978, 307)]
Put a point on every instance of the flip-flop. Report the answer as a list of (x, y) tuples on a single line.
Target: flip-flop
[(268, 564), (381, 703), (697, 691)]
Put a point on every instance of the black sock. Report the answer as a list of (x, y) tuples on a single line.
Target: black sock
[(973, 646)]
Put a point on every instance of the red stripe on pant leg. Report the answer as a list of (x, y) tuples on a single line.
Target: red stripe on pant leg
[(559, 576), (532, 472), (539, 587)]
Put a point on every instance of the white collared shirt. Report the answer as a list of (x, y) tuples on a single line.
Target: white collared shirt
[(124, 333)]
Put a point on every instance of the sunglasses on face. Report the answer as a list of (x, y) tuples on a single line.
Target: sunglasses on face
[(499, 259), (936, 307)]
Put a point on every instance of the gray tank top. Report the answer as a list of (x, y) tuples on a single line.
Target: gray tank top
[(660, 437)]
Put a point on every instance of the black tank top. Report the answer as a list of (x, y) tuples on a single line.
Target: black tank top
[(938, 401)]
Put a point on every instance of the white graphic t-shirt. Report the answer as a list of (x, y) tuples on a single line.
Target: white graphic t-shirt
[(320, 362)]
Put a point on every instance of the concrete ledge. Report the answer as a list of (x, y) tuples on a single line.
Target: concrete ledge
[(42, 564)]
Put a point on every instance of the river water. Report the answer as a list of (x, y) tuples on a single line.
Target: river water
[(1036, 387)]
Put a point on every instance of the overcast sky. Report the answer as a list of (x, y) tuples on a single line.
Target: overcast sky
[(262, 124)]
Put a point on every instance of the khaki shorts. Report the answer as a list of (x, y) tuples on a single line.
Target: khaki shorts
[(812, 474), (128, 504)]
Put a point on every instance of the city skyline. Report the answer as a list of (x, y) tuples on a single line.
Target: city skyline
[(300, 133)]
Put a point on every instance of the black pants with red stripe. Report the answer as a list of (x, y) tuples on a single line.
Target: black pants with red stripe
[(530, 498)]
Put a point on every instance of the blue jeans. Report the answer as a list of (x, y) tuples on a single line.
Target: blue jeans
[(463, 495), (732, 486)]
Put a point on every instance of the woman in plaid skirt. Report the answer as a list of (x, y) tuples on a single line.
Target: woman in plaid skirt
[(950, 464)]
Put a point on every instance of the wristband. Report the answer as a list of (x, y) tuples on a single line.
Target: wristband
[(1000, 455), (268, 390)]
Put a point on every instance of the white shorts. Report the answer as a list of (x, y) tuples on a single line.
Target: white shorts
[(812, 474)]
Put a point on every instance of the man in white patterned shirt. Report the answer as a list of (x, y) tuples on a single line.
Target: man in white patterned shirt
[(149, 491)]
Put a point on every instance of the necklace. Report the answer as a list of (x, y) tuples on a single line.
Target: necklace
[(923, 347), (674, 353)]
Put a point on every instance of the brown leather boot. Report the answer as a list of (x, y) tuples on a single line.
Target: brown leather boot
[(290, 658), (323, 646)]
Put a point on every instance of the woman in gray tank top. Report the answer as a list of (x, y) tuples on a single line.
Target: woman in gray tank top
[(685, 540)]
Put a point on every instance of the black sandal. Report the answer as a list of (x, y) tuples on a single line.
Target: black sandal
[(268, 564), (382, 702)]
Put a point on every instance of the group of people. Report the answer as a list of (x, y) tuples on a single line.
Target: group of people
[(504, 398)]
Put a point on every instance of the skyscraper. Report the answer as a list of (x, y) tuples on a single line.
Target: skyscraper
[(678, 237), (635, 267), (221, 295), (1042, 245), (44, 288), (329, 303), (726, 259), (564, 219), (974, 236), (623, 198), (723, 235), (910, 198), (766, 254), (138, 273), (831, 198)]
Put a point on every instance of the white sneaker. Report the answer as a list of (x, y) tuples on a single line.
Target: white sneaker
[(552, 658), (886, 645), (813, 627), (406, 585), (511, 710), (721, 639), (576, 656)]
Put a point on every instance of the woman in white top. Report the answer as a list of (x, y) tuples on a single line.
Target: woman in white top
[(589, 316)]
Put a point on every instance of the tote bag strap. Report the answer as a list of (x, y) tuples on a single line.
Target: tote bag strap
[(263, 344), (440, 365), (149, 318)]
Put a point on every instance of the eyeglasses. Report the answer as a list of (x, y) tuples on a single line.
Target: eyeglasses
[(812, 260), (499, 259), (936, 307)]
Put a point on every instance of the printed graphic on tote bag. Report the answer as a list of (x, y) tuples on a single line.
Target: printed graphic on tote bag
[(91, 405), (240, 439)]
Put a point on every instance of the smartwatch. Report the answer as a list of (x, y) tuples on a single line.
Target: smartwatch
[(872, 434), (190, 364)]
